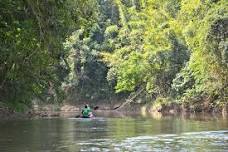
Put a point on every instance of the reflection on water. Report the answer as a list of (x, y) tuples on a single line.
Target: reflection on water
[(115, 134), (199, 141)]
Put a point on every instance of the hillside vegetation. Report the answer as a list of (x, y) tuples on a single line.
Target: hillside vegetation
[(104, 50)]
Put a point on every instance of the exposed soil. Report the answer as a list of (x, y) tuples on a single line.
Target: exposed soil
[(140, 109)]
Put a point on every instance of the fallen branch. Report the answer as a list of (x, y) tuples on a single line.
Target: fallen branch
[(129, 100)]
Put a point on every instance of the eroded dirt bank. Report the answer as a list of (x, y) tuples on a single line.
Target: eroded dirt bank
[(153, 110)]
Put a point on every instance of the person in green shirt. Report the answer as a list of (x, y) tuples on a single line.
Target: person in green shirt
[(86, 112)]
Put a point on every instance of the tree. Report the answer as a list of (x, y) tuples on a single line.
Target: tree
[(32, 33)]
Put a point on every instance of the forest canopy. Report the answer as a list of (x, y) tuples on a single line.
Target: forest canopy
[(100, 50)]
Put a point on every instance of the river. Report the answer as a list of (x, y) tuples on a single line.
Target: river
[(130, 133)]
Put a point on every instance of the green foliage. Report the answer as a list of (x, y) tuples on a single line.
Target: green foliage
[(168, 48), (181, 49), (205, 35), (31, 36), (150, 54), (87, 77), (111, 31)]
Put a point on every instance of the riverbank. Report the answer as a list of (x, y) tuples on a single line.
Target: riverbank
[(157, 110), (7, 113), (185, 109)]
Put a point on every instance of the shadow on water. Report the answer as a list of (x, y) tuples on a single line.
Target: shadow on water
[(113, 132)]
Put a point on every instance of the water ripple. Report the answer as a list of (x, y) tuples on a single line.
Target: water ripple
[(193, 141)]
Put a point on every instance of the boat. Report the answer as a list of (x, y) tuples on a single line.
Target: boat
[(90, 116), (80, 116)]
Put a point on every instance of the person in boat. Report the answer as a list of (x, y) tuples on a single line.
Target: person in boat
[(86, 112)]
